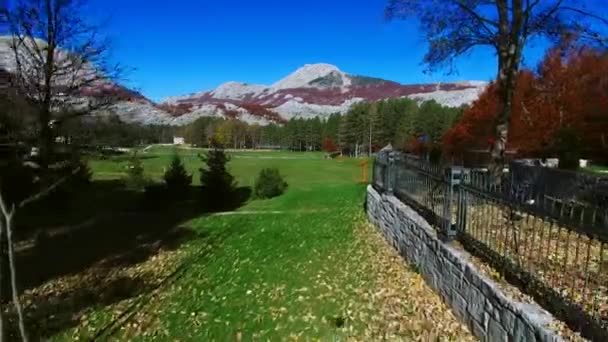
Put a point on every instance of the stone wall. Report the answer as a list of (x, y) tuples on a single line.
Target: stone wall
[(474, 298)]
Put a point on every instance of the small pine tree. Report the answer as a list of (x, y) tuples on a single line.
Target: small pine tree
[(135, 173), (269, 183), (176, 178), (218, 185)]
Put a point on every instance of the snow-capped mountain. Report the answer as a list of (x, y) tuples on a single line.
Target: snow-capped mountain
[(312, 90)]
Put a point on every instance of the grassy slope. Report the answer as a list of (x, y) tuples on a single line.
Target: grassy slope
[(599, 169), (305, 265)]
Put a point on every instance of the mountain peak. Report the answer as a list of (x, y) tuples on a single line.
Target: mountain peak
[(302, 77), (319, 67), (237, 90)]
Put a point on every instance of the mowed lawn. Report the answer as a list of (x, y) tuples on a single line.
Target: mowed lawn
[(302, 266)]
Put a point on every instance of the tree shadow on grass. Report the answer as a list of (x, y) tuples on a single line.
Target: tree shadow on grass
[(80, 260), (227, 201)]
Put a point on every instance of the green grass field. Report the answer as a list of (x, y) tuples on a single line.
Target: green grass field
[(599, 169), (302, 266), (300, 168)]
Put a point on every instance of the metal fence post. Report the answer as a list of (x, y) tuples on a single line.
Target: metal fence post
[(453, 179), (461, 213), (390, 173)]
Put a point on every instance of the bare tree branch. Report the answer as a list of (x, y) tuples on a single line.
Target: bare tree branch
[(48, 190), (61, 61), (1, 262), (584, 13)]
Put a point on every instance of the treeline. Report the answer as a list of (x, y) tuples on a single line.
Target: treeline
[(369, 126), (365, 126), (297, 134), (112, 132)]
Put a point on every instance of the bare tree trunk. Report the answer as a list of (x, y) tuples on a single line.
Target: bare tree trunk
[(7, 223), (509, 55), (45, 112), (45, 140), (11, 258), (501, 135), (1, 282)]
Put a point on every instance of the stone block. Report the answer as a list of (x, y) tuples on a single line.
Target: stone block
[(459, 305), (495, 332), (492, 309), (477, 329), (508, 320), (476, 311)]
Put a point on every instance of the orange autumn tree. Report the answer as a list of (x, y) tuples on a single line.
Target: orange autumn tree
[(475, 130), (329, 145), (568, 90), (573, 84)]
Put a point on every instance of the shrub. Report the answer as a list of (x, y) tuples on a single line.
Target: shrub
[(269, 183), (135, 173), (218, 185), (177, 179)]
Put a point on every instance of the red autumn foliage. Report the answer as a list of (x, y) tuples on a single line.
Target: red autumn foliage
[(329, 145), (112, 92), (261, 111), (178, 109), (415, 146), (568, 90)]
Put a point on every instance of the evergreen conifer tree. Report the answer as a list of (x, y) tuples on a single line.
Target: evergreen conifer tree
[(177, 178), (218, 185)]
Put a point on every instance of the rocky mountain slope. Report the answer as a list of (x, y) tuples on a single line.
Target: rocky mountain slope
[(312, 90), (130, 105)]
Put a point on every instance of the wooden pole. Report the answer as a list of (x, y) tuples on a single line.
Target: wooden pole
[(363, 171)]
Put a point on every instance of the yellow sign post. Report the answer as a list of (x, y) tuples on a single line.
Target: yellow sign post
[(363, 165)]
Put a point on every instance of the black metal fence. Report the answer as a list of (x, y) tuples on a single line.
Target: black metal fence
[(555, 249)]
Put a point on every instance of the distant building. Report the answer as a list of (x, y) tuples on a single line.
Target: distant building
[(178, 141)]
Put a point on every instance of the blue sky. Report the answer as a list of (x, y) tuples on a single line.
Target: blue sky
[(184, 46)]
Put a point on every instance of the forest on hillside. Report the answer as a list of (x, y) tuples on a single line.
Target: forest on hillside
[(364, 126)]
